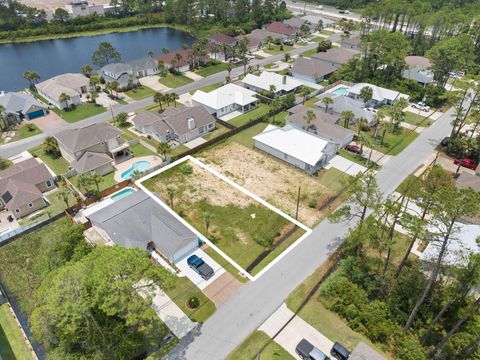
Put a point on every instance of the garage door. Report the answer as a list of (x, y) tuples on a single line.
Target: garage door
[(36, 114)]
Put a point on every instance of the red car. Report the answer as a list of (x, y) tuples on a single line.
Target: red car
[(354, 149), (466, 162)]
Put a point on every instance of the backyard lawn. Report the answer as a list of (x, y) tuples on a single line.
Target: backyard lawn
[(241, 227), (139, 150), (254, 114), (276, 49), (139, 93), (174, 81), (208, 88), (393, 143), (12, 344), (58, 164), (80, 112), (212, 69), (259, 341), (108, 181), (219, 130)]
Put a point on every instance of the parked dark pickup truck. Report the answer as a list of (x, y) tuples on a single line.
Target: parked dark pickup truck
[(200, 266)]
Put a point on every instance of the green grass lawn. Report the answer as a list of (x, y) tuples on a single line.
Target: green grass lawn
[(208, 88), (417, 120), (310, 53), (254, 114), (174, 81), (358, 159), (212, 69), (80, 112), (393, 143), (326, 32), (275, 49), (128, 135), (55, 207), (184, 289), (58, 164), (250, 348), (219, 130), (108, 181), (139, 150), (26, 130), (245, 137), (407, 185), (12, 344), (141, 92)]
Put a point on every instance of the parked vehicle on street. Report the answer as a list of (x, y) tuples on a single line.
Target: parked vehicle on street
[(339, 352), (421, 106), (288, 42), (466, 162), (354, 149), (200, 267), (307, 351), (445, 141), (320, 7), (373, 110), (344, 11)]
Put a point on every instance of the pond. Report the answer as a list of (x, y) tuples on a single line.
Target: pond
[(54, 57)]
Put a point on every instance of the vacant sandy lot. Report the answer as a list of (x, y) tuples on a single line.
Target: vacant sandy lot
[(275, 181), (55, 4)]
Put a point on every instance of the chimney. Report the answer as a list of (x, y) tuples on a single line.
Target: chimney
[(284, 80), (191, 124)]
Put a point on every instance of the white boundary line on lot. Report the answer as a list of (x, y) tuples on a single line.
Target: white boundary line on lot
[(239, 188)]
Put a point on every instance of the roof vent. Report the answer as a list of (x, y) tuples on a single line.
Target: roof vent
[(191, 124)]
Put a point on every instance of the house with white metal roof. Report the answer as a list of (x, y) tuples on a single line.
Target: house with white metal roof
[(380, 95)]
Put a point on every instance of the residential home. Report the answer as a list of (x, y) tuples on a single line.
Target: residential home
[(281, 28), (352, 43), (138, 221), (336, 57), (283, 84), (324, 125), (21, 106), (297, 23), (145, 66), (314, 19), (343, 103), (222, 39), (181, 124), (180, 60), (253, 44), (466, 180), (93, 148), (380, 96), (78, 8), (226, 99), (119, 72), (418, 70), (71, 84), (22, 187), (296, 147), (262, 36), (311, 70)]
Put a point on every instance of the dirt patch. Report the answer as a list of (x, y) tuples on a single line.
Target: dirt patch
[(272, 180)]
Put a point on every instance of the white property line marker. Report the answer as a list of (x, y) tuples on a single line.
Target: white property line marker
[(307, 230)]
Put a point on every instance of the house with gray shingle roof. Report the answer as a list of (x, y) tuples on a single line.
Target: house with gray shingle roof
[(127, 74), (74, 85), (93, 148), (418, 69), (138, 221), (343, 103), (312, 70), (22, 187), (336, 57), (19, 106), (182, 124)]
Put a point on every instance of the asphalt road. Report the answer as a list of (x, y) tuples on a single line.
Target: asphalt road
[(16, 147), (256, 301)]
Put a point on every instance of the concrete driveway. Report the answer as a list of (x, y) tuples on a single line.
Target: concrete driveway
[(49, 122), (104, 100), (345, 165), (152, 83), (296, 330), (193, 76)]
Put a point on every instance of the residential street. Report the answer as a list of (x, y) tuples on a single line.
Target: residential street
[(257, 300)]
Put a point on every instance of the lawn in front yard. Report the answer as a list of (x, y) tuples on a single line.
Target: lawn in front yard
[(276, 49), (208, 88), (256, 342), (358, 159), (212, 69), (139, 93), (241, 227), (26, 130), (12, 344), (393, 143), (80, 112), (310, 53), (57, 164), (174, 81), (417, 120)]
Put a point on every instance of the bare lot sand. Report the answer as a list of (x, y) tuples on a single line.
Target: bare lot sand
[(277, 182), (55, 4)]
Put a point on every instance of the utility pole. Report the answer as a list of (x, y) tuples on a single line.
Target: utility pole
[(113, 117), (298, 203)]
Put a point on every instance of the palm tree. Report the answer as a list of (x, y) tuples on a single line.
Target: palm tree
[(94, 81), (171, 191), (115, 86), (347, 117), (84, 181), (163, 149), (86, 70), (64, 99), (275, 105), (361, 122), (379, 119), (50, 146), (158, 97), (96, 179), (64, 193), (273, 90), (269, 41), (327, 101), (2, 117), (304, 91), (32, 77), (207, 219), (174, 97), (229, 69), (165, 51), (366, 93), (151, 54), (94, 96), (309, 117)]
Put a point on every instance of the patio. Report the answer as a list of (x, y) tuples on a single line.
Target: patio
[(231, 115)]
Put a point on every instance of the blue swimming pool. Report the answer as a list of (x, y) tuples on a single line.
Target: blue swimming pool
[(340, 90), (122, 193), (137, 166)]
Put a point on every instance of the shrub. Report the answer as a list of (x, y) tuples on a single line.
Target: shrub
[(186, 169), (30, 127), (341, 293), (375, 318), (408, 348), (193, 302), (262, 241), (312, 204)]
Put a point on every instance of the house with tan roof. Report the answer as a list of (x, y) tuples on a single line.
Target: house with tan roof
[(175, 124), (336, 57), (311, 70), (94, 147), (72, 84), (281, 28), (22, 187)]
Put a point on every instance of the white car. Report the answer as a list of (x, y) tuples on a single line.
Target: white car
[(320, 7), (421, 106), (372, 110)]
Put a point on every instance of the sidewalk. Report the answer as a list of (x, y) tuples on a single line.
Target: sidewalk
[(377, 156)]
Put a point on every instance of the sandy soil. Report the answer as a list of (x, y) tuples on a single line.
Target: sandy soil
[(55, 4), (270, 179)]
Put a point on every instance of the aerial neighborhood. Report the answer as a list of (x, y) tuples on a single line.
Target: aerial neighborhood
[(239, 180)]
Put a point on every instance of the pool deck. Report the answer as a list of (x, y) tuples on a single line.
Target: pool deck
[(339, 86), (124, 166)]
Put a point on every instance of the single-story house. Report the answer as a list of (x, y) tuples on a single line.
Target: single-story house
[(120, 72), (312, 70), (226, 99), (253, 44), (324, 126), (221, 39), (364, 352), (418, 70), (19, 106), (462, 243), (281, 28), (22, 187), (336, 57), (314, 19), (262, 35), (93, 148), (182, 124), (182, 64), (145, 66), (283, 84), (352, 43), (297, 23), (138, 221), (72, 84), (343, 103), (296, 147), (380, 96), (467, 180)]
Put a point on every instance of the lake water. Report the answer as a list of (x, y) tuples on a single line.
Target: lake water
[(54, 57)]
